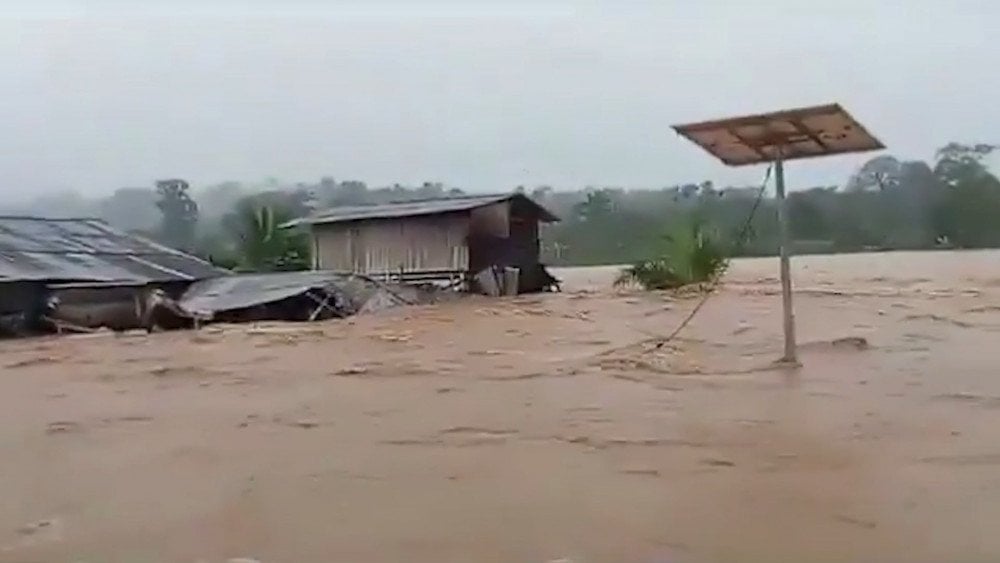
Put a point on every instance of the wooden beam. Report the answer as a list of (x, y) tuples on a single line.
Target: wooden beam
[(746, 142), (801, 128)]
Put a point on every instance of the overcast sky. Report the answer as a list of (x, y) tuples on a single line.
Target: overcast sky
[(482, 95)]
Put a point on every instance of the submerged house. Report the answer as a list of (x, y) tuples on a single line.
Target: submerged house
[(433, 239), (98, 275)]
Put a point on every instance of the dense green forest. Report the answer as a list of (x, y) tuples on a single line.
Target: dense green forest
[(953, 201)]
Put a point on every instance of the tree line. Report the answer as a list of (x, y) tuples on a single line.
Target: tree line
[(951, 202), (888, 204)]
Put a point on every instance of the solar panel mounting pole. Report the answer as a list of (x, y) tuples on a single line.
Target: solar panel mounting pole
[(785, 252), (777, 137)]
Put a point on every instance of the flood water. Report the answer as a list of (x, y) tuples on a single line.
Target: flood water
[(541, 428)]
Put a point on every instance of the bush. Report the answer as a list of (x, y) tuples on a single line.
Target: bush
[(690, 256)]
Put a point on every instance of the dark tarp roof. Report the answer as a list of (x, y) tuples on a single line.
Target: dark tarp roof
[(89, 250), (435, 206)]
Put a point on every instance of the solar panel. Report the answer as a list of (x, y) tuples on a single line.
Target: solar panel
[(791, 134)]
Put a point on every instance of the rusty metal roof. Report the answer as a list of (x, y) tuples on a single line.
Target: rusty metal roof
[(89, 250), (797, 133), (437, 206)]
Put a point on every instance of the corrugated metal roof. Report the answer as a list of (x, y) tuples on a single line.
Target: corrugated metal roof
[(241, 291), (37, 249), (435, 206), (246, 290)]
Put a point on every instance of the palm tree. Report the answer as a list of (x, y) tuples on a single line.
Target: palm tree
[(263, 245)]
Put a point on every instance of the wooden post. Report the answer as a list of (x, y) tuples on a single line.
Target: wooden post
[(315, 249), (788, 315)]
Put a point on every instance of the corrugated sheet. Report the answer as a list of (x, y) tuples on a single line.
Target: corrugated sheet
[(36, 249), (413, 208), (248, 290)]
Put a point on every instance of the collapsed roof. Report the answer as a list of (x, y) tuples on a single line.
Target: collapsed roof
[(342, 294)]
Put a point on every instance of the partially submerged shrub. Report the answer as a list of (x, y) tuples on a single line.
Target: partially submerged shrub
[(690, 256)]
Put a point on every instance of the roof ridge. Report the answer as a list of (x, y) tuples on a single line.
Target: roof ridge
[(423, 200), (462, 196)]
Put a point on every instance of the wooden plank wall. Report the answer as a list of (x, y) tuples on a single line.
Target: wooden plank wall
[(409, 244), (492, 220)]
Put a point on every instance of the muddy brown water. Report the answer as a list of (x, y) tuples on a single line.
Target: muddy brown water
[(529, 430)]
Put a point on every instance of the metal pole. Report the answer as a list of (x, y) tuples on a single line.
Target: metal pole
[(790, 356)]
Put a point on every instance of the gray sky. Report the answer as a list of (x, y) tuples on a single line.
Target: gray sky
[(482, 95)]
